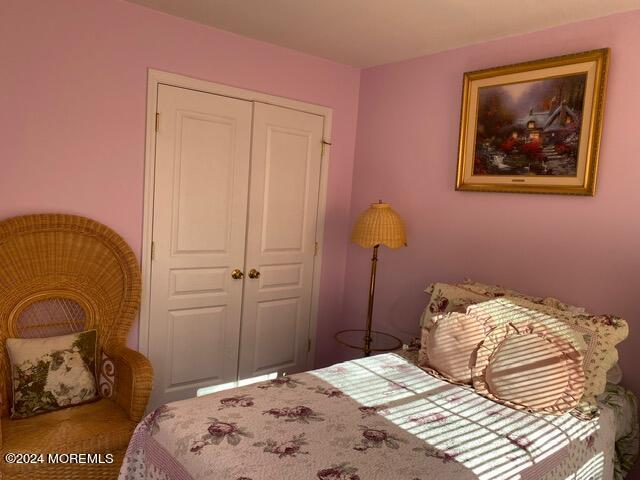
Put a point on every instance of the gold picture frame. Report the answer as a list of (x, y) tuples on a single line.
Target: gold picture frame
[(533, 127)]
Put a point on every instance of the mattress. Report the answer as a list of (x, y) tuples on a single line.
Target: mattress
[(380, 417)]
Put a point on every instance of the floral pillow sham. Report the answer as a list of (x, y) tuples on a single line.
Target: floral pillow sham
[(446, 298), (594, 336), (52, 373)]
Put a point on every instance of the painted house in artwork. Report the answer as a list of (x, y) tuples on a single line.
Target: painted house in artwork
[(550, 126)]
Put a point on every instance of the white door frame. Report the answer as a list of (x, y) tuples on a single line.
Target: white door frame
[(157, 77)]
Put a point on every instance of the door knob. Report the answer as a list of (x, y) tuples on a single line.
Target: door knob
[(253, 273), (237, 274)]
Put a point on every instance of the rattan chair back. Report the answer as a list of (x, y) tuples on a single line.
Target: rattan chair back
[(61, 274)]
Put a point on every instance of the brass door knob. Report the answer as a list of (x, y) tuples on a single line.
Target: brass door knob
[(237, 274), (253, 273)]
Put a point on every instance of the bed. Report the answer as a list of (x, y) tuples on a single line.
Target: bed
[(380, 417)]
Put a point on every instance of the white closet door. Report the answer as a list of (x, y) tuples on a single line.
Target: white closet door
[(281, 235), (199, 225)]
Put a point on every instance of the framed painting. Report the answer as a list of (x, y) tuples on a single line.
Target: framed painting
[(533, 127)]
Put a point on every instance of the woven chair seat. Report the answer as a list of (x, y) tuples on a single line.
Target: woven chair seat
[(97, 427), (62, 274)]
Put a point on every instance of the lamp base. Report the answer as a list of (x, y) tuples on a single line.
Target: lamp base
[(356, 338)]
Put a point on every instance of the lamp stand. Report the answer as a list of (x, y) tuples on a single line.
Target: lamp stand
[(372, 289), (347, 338)]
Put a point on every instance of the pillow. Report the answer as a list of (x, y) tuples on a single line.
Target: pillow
[(447, 298), (530, 369), (614, 374), (600, 333), (505, 311), (558, 305), (449, 346), (494, 291), (457, 297), (51, 373)]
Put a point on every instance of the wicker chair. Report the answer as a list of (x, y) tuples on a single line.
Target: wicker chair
[(61, 274)]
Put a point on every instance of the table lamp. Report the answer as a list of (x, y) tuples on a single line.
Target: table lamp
[(378, 225)]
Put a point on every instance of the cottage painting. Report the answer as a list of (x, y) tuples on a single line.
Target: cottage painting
[(533, 127), (530, 128)]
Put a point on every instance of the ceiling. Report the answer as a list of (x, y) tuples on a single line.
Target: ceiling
[(364, 33)]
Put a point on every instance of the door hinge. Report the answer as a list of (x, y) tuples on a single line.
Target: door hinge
[(157, 122), (324, 145), (308, 345), (316, 250), (153, 250)]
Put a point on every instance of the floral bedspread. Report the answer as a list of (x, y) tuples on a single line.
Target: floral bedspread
[(617, 398), (374, 418), (625, 407)]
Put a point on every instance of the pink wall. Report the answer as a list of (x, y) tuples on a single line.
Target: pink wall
[(73, 92), (73, 95), (583, 250)]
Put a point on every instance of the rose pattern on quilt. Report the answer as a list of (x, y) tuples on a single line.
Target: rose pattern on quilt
[(429, 451), (300, 414), (219, 431), (152, 421), (284, 381), (343, 471), (497, 413), (329, 392), (372, 410), (427, 419), (394, 386), (237, 401), (519, 441), (289, 448), (377, 438), (338, 370), (399, 367)]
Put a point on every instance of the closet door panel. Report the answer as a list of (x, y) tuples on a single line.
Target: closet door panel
[(199, 231), (281, 235)]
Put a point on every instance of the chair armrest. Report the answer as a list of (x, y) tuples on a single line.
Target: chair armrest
[(1, 404), (133, 380)]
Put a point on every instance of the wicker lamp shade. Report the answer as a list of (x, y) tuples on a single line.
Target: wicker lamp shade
[(379, 225)]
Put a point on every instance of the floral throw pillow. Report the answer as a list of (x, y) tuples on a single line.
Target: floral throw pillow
[(52, 373)]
